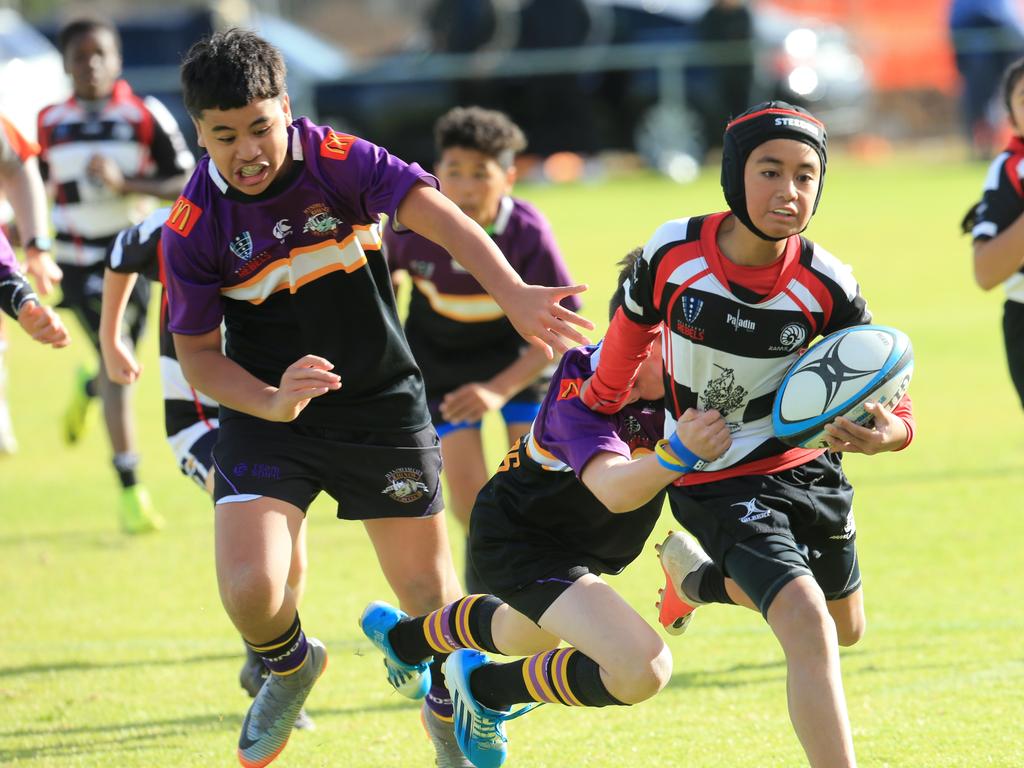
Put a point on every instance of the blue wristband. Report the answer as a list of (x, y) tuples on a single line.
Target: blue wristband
[(667, 460), (684, 454)]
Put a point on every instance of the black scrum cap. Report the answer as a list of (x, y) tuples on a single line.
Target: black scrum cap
[(764, 122)]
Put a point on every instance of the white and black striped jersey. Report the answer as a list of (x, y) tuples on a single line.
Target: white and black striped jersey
[(137, 250), (729, 353), (1002, 203), (138, 133)]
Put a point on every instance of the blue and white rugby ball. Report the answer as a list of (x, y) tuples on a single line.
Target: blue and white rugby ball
[(836, 376)]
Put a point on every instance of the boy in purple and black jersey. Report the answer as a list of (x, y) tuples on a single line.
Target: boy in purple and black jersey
[(575, 498), (473, 360), (277, 235)]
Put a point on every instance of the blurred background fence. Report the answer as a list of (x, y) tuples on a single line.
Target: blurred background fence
[(655, 79)]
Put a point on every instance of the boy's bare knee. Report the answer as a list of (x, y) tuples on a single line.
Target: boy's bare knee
[(851, 632), (639, 680)]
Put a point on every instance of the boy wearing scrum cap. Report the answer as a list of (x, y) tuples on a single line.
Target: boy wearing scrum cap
[(734, 298)]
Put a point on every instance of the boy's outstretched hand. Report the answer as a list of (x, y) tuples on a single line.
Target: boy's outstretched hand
[(888, 433), (535, 312), (308, 377), (43, 324), (705, 433)]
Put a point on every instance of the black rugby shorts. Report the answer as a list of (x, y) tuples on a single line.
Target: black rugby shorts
[(766, 530), (369, 474)]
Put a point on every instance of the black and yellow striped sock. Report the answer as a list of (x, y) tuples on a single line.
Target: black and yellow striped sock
[(465, 623), (560, 676)]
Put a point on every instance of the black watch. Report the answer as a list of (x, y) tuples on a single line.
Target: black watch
[(40, 244)]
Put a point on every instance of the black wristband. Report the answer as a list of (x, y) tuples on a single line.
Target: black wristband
[(14, 292)]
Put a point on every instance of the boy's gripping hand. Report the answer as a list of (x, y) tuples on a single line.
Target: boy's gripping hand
[(887, 433), (705, 433), (122, 367), (43, 325), (308, 377), (535, 312)]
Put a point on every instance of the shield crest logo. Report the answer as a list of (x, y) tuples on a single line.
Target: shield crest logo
[(241, 246)]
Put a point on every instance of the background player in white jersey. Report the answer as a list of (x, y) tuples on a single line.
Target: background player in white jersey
[(23, 187), (997, 226), (472, 359), (105, 154), (576, 498), (190, 417), (735, 297)]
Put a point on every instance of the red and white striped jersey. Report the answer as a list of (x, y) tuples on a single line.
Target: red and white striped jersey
[(138, 133), (727, 349)]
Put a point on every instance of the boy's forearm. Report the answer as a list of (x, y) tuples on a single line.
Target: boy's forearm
[(997, 259), (166, 189), (427, 212), (224, 380), (622, 484), (117, 287), (521, 373), (28, 199), (625, 347)]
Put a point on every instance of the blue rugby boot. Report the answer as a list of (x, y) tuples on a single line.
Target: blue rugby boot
[(480, 731), (410, 680), (271, 717)]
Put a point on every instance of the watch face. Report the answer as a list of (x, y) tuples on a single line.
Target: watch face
[(40, 244)]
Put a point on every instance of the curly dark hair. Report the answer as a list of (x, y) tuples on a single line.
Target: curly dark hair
[(230, 70), (84, 26), (486, 130), (626, 266)]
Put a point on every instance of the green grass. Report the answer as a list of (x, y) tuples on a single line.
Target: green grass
[(116, 652)]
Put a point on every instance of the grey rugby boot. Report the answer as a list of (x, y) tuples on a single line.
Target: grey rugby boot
[(251, 678), (442, 736), (271, 717)]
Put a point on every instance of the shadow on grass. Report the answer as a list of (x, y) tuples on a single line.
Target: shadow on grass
[(65, 742), (740, 675), (91, 666)]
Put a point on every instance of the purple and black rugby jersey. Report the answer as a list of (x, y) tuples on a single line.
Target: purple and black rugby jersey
[(457, 332), (14, 288), (297, 270), (537, 493)]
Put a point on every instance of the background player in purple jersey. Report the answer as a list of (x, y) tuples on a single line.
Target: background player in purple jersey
[(19, 301), (575, 498), (472, 359), (106, 154), (190, 417), (23, 187), (997, 227), (735, 297), (277, 235)]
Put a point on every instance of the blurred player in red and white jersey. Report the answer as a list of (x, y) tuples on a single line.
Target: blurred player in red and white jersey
[(106, 154)]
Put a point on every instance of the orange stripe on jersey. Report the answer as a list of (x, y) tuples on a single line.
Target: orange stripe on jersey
[(22, 147), (184, 215)]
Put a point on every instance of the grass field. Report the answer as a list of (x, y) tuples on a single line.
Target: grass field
[(116, 652)]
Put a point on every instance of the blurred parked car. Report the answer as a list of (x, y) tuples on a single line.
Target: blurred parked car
[(629, 79), (31, 72)]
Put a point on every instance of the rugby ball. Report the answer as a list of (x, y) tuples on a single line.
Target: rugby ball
[(836, 376)]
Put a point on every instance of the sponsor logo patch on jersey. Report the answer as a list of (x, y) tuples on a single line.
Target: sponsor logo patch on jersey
[(335, 146), (321, 220), (241, 246), (569, 388), (184, 215)]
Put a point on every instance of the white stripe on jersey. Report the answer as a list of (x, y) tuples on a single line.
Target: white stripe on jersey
[(545, 459), (995, 170), (672, 231), (176, 387), (835, 270), (985, 229), (303, 266), (182, 156)]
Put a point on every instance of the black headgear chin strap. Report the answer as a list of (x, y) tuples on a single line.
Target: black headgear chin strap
[(764, 122)]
